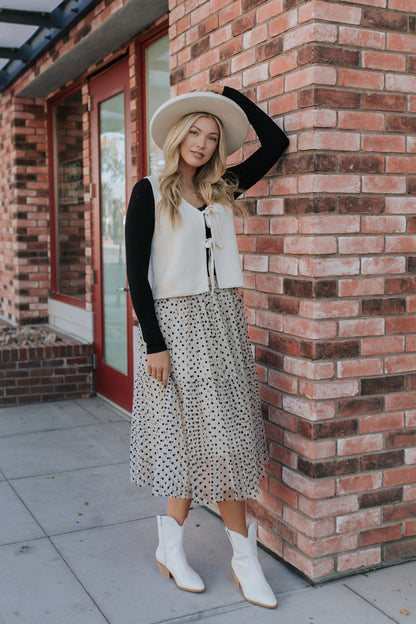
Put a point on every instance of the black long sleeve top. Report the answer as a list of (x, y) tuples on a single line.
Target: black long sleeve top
[(140, 218)]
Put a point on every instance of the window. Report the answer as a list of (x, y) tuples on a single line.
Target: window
[(69, 215), (157, 92)]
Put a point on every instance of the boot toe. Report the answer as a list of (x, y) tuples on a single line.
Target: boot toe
[(265, 599), (193, 584), (259, 593)]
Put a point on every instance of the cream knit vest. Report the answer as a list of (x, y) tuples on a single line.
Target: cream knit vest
[(178, 261)]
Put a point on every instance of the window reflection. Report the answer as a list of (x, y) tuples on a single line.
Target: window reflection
[(113, 207), (157, 92), (70, 209)]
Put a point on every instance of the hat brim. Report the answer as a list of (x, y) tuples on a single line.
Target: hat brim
[(233, 118)]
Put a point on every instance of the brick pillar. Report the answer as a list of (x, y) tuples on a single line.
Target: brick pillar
[(351, 371), (86, 161), (8, 195), (328, 253), (24, 252)]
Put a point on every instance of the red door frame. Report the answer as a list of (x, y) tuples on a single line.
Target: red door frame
[(109, 382), (150, 37)]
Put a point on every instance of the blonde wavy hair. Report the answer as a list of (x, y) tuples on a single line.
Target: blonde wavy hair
[(209, 183)]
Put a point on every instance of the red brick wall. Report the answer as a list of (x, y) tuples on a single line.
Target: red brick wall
[(24, 186), (329, 264), (8, 194), (24, 230), (46, 373)]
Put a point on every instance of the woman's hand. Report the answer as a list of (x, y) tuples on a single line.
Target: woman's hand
[(158, 365), (214, 88)]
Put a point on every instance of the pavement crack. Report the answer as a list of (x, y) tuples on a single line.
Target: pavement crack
[(100, 526), (91, 597), (54, 429), (47, 537), (354, 591), (197, 616), (66, 470), (29, 511)]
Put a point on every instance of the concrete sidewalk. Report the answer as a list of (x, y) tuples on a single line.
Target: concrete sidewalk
[(78, 540)]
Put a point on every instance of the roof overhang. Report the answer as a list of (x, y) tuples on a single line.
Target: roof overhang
[(27, 34), (112, 33)]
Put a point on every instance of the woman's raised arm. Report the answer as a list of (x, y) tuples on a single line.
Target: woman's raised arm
[(273, 142)]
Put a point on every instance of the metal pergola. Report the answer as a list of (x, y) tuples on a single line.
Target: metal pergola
[(29, 27)]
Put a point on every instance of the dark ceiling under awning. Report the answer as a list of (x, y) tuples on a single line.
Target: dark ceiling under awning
[(26, 34)]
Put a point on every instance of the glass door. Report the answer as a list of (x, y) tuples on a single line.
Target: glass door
[(110, 174)]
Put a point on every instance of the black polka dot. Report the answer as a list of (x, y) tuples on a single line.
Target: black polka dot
[(202, 436)]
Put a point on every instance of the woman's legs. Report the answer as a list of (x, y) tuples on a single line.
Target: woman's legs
[(233, 514), (247, 571), (178, 508)]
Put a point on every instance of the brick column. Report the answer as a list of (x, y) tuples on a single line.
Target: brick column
[(328, 253), (25, 211)]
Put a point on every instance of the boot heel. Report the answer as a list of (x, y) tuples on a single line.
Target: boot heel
[(163, 570), (237, 582)]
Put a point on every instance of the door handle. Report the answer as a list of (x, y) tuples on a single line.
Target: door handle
[(122, 289)]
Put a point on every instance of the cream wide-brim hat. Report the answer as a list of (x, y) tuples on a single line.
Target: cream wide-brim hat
[(233, 118)]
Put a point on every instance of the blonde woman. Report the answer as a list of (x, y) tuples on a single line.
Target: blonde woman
[(197, 431)]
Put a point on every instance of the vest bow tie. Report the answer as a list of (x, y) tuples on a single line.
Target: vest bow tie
[(211, 214)]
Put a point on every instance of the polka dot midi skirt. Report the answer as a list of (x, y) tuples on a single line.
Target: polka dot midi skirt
[(202, 436)]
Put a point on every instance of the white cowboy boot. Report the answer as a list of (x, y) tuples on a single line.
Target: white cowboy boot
[(170, 556), (247, 571)]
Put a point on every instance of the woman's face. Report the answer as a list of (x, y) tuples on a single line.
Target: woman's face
[(200, 143)]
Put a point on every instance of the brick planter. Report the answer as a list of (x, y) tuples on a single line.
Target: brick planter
[(29, 374)]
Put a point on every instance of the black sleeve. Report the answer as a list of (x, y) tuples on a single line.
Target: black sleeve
[(140, 225), (272, 139)]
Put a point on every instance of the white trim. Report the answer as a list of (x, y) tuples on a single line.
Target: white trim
[(117, 408), (71, 320)]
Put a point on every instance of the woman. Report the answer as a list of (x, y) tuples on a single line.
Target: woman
[(197, 432)]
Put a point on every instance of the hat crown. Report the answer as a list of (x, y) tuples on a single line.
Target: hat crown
[(232, 117)]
